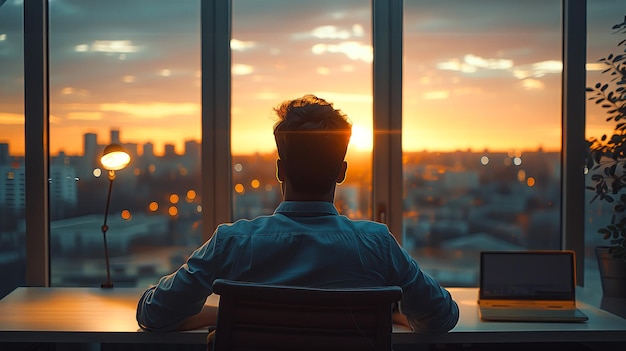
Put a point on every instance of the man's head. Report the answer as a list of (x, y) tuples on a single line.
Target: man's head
[(312, 139)]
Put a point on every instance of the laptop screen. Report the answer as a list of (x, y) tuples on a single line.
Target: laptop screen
[(527, 275)]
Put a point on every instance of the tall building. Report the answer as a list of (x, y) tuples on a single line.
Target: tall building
[(63, 189), (12, 187), (90, 147), (148, 150), (170, 150), (115, 136), (4, 154)]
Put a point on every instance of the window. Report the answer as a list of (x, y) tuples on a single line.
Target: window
[(106, 72), (322, 48), (12, 167), (481, 131), (127, 73)]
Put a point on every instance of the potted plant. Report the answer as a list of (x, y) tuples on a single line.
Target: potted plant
[(607, 167)]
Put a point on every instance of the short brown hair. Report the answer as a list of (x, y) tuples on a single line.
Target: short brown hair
[(312, 139)]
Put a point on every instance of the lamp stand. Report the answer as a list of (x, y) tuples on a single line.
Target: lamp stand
[(105, 227)]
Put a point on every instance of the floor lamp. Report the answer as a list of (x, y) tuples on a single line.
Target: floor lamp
[(113, 159)]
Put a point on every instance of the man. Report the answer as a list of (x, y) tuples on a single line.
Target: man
[(305, 242)]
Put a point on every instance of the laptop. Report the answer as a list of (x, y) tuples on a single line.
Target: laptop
[(528, 286)]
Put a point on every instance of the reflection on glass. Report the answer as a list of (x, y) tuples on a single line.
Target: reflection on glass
[(12, 170), (481, 131), (283, 50), (129, 77)]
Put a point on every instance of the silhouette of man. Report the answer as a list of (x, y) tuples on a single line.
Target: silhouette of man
[(305, 242)]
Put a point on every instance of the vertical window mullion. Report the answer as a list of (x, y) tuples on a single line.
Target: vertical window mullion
[(216, 89), (36, 110), (387, 151), (573, 131)]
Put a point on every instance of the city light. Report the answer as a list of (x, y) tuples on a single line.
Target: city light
[(173, 211), (191, 195), (239, 189), (174, 198)]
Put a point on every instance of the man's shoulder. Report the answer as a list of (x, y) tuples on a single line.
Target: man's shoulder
[(362, 225), (247, 226)]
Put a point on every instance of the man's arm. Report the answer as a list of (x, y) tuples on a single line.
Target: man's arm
[(428, 307), (180, 295), (206, 317)]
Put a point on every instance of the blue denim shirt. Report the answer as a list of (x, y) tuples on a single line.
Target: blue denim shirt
[(301, 244)]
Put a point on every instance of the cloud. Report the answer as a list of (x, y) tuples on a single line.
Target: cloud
[(85, 116), (239, 69), (109, 46), (352, 49), (240, 45), (538, 69), (596, 66), (495, 64), (333, 32), (11, 118), (472, 63), (532, 84), (152, 110)]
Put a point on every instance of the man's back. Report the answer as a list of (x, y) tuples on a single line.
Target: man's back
[(302, 244), (305, 244)]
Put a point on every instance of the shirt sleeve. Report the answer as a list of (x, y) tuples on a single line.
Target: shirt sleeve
[(428, 306), (164, 306)]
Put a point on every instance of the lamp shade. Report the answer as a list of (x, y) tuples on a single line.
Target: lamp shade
[(114, 157)]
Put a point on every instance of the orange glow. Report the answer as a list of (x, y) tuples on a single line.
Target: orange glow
[(126, 215), (362, 138), (191, 195), (418, 133), (173, 211), (174, 198), (153, 206), (530, 181), (239, 188), (255, 183)]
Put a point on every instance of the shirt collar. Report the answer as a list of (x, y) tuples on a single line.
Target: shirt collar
[(306, 208)]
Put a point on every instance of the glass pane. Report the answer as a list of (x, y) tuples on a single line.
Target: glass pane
[(602, 40), (284, 50), (12, 174), (481, 131), (124, 72)]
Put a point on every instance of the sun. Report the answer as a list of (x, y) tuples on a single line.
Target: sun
[(362, 139)]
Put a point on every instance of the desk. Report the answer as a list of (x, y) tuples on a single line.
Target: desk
[(94, 315)]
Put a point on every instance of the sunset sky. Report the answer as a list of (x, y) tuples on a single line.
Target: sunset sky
[(477, 74)]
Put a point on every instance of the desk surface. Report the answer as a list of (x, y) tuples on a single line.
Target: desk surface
[(85, 315)]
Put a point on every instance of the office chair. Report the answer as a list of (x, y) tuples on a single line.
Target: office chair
[(273, 317)]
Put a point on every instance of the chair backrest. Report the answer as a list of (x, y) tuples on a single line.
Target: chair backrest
[(272, 317)]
